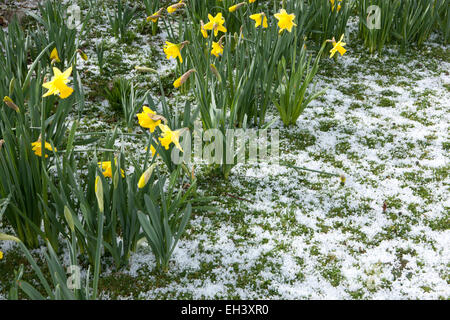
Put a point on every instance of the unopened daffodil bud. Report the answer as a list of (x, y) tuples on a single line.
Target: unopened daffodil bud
[(145, 69), (236, 7), (171, 9), (154, 17), (54, 57), (8, 101), (116, 179), (82, 55), (143, 180), (215, 72), (6, 237), (183, 78), (11, 86), (343, 179), (69, 218), (99, 193)]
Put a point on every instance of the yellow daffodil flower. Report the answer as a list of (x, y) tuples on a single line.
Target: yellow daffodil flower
[(217, 49), (169, 136), (260, 19), (54, 57), (285, 20), (251, 1), (338, 47), (332, 5), (1, 255), (216, 24), (58, 84), (107, 168), (203, 30), (147, 119), (172, 51), (37, 148), (152, 150)]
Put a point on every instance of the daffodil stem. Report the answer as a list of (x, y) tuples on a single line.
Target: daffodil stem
[(147, 154), (97, 256), (44, 180)]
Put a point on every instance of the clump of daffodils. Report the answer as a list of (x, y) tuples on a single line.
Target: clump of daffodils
[(150, 120)]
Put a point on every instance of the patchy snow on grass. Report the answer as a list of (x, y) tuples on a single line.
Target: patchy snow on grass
[(284, 233), (304, 236)]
